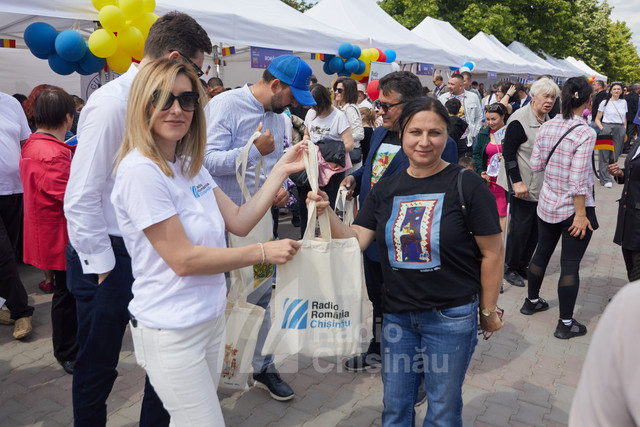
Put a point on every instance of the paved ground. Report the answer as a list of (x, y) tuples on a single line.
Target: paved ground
[(522, 376)]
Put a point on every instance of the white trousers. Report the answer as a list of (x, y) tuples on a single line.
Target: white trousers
[(184, 368)]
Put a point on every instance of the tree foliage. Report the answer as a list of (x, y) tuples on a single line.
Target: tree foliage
[(299, 5), (579, 28)]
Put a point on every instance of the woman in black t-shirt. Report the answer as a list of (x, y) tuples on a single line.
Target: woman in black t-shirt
[(433, 277)]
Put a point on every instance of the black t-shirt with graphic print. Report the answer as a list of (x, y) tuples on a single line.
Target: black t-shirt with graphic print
[(428, 256)]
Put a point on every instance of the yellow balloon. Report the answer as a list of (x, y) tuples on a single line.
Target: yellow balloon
[(119, 61), (367, 70), (144, 22), (99, 4), (131, 8), (138, 55), (148, 6), (102, 43), (112, 18), (130, 40)]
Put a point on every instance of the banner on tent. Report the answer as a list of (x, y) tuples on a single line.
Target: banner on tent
[(529, 76), (226, 51), (492, 75), (379, 70), (425, 69), (261, 57)]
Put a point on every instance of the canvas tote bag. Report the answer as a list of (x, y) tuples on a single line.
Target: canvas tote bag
[(252, 277), (318, 298)]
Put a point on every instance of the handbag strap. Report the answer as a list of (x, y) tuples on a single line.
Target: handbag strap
[(559, 141), (311, 167), (618, 111), (241, 169)]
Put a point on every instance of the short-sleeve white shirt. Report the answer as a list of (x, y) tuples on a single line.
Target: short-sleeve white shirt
[(13, 129), (331, 126), (142, 196), (614, 111)]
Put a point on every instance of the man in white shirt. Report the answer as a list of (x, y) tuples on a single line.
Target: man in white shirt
[(98, 265), (232, 118), (14, 131), (470, 103), (467, 79)]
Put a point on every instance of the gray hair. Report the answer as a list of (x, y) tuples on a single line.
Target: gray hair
[(635, 86), (544, 86)]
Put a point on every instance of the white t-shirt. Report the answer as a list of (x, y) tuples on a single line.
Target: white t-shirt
[(331, 126), (614, 111), (142, 196), (13, 129)]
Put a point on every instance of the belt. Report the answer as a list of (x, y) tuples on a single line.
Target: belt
[(116, 240), (134, 321)]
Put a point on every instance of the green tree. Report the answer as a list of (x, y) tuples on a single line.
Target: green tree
[(299, 5), (621, 61)]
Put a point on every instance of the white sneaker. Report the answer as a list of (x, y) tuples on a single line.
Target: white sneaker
[(608, 184)]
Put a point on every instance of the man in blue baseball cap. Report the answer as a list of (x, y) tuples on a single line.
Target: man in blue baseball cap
[(232, 118)]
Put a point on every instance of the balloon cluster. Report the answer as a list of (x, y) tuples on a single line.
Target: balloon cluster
[(125, 26), (591, 79), (66, 52), (467, 66), (355, 62)]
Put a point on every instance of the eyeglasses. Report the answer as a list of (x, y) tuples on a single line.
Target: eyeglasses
[(384, 106), (188, 100), (197, 69), (486, 335), (338, 90)]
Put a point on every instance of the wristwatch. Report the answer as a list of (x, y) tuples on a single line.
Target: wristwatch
[(486, 312)]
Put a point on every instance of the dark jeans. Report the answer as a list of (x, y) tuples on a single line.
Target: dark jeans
[(573, 250), (102, 320), (11, 287), (523, 234), (632, 262), (64, 320), (374, 281)]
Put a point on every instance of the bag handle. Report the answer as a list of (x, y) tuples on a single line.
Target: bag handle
[(345, 206), (241, 168), (311, 166), (558, 143)]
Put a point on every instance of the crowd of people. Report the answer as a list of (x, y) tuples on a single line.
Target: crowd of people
[(143, 240)]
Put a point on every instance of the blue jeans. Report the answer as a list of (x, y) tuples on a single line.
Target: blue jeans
[(438, 343), (261, 297), (102, 320)]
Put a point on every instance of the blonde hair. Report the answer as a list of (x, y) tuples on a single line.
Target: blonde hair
[(160, 75), (368, 116)]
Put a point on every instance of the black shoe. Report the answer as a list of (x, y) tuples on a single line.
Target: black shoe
[(363, 362), (68, 366), (530, 308), (271, 381), (514, 278), (565, 332)]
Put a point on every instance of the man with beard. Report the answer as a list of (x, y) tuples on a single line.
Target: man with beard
[(232, 118), (520, 136)]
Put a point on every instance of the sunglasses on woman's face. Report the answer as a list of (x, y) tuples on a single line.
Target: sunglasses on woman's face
[(188, 100), (338, 90)]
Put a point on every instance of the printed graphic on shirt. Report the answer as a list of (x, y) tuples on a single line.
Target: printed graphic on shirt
[(319, 130), (384, 156), (200, 189), (413, 231)]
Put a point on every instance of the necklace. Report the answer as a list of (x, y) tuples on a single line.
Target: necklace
[(540, 120)]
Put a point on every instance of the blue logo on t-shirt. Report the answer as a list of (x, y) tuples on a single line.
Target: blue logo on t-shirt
[(200, 189)]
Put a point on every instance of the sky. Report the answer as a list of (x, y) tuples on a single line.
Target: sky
[(628, 11)]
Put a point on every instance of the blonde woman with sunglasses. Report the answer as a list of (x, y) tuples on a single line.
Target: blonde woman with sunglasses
[(173, 218)]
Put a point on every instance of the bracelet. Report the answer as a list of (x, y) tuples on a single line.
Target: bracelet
[(264, 257)]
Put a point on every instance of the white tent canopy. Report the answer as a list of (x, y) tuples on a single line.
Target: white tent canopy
[(442, 33), (369, 21), (523, 51), (588, 70), (563, 63), (490, 43)]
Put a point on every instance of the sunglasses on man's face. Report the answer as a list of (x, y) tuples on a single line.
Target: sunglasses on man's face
[(385, 106), (197, 69), (188, 100)]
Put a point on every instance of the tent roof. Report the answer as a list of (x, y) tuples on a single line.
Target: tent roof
[(519, 64), (563, 63), (264, 23), (443, 33), (582, 65), (523, 51), (367, 19)]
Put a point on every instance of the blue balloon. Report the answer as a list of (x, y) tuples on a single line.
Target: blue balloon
[(40, 55), (345, 50), (91, 63), (356, 51), (351, 65), (361, 67), (328, 57), (391, 55), (336, 65), (469, 65), (70, 46), (454, 68), (327, 68), (344, 74), (61, 66), (40, 37)]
